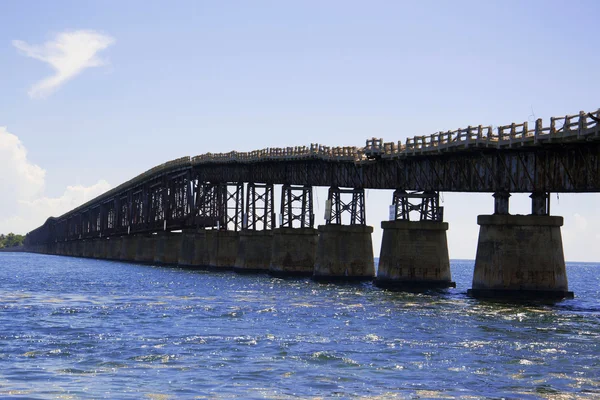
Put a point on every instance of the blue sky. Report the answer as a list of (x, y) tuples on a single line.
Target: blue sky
[(189, 77)]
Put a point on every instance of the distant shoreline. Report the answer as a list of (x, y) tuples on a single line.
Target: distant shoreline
[(15, 249)]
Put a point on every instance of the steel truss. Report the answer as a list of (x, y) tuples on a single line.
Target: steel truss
[(427, 204), (168, 198), (260, 213), (336, 206), (297, 205), (220, 205), (179, 193)]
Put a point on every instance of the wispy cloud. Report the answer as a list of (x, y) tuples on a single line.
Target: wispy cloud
[(69, 54)]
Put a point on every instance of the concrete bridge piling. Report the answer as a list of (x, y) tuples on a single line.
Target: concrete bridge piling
[(294, 246), (256, 237), (145, 248), (414, 254), (520, 256), (222, 248), (345, 252)]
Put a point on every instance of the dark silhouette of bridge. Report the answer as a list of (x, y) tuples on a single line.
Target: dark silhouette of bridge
[(234, 191)]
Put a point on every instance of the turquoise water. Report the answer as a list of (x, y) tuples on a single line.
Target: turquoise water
[(81, 328)]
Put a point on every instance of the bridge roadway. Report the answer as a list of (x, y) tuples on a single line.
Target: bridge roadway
[(207, 191)]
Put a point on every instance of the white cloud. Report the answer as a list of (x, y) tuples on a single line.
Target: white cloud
[(23, 205), (69, 54), (17, 175)]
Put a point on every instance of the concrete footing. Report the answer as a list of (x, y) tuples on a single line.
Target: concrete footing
[(222, 248), (414, 256), (293, 251), (520, 256), (344, 253), (254, 251)]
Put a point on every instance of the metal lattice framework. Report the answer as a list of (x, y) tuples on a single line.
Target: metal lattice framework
[(427, 204), (230, 200), (219, 205), (345, 201), (260, 213), (297, 206), (206, 201)]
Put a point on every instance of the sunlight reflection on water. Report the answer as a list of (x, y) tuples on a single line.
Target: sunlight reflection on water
[(106, 329)]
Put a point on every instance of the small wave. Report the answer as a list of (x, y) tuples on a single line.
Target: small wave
[(46, 353), (76, 371), (163, 358)]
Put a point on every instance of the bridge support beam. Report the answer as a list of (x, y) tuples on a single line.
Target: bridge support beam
[(520, 256), (219, 206), (295, 241), (344, 252), (256, 239), (414, 254)]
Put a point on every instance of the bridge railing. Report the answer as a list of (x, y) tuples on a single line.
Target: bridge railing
[(472, 136)]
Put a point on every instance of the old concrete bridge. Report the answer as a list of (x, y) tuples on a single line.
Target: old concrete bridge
[(217, 210)]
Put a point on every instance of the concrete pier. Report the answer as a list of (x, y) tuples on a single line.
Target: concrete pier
[(254, 251), (68, 248), (193, 252), (78, 248), (187, 249), (201, 250), (414, 256), (99, 250), (222, 247), (294, 251), (144, 251), (88, 248), (167, 247), (128, 247), (113, 251), (344, 252), (520, 256)]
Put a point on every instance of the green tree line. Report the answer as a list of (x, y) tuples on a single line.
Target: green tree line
[(11, 240)]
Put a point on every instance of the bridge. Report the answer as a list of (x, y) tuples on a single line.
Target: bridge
[(217, 210)]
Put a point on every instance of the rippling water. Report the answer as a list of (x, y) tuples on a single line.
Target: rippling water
[(73, 328)]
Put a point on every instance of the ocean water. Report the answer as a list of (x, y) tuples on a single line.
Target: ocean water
[(82, 328)]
